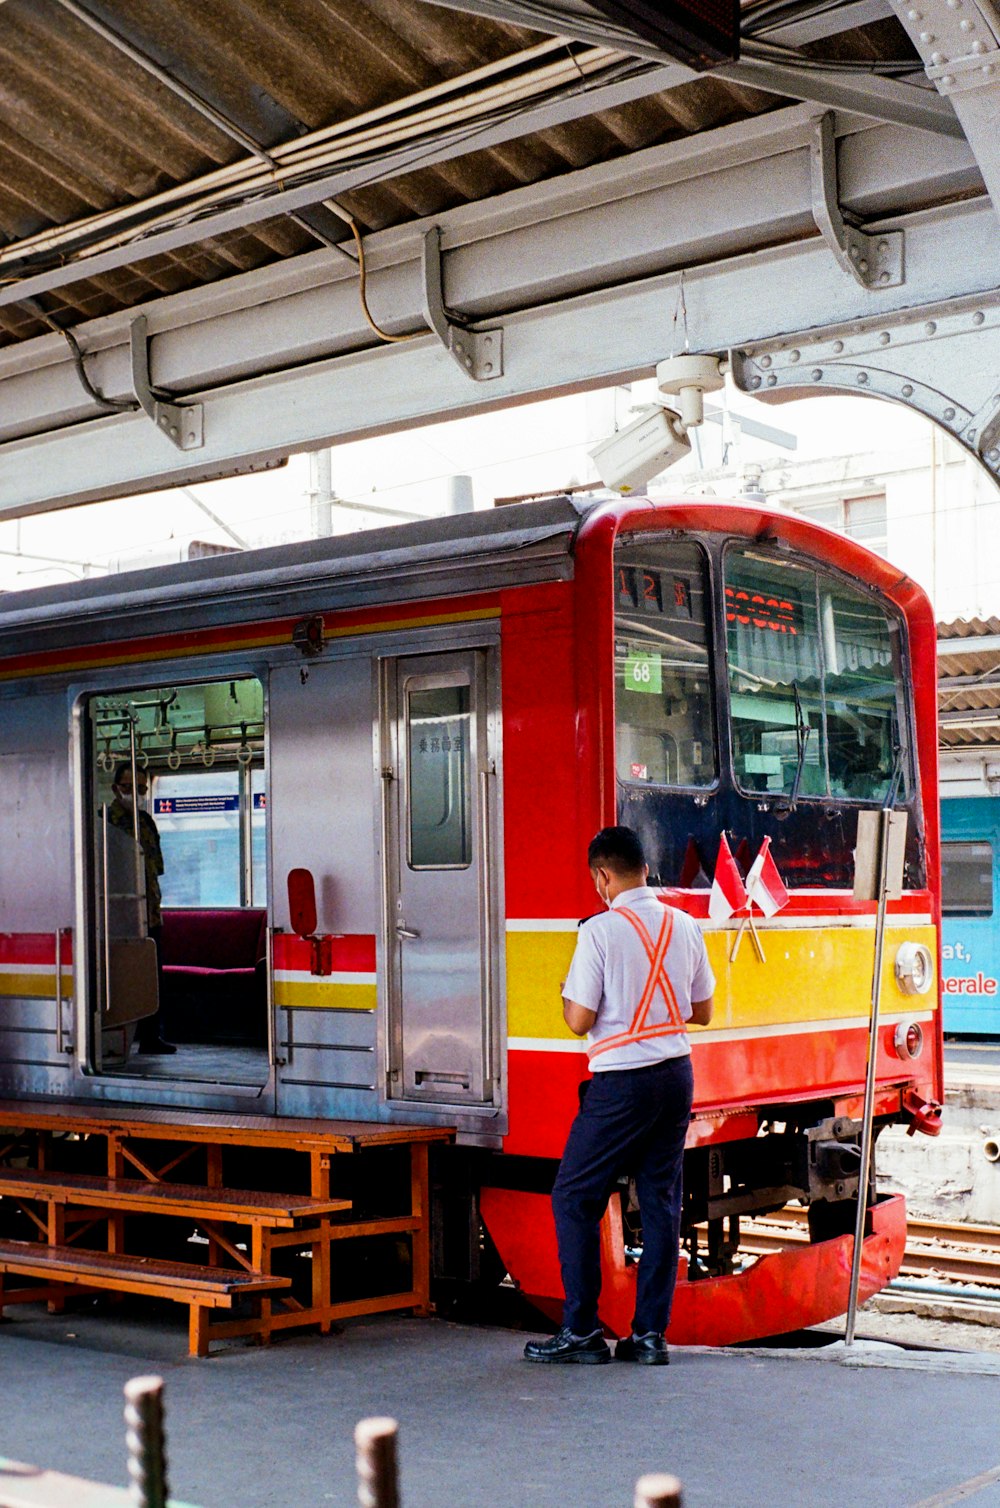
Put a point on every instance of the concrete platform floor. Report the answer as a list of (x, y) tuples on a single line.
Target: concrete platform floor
[(893, 1428)]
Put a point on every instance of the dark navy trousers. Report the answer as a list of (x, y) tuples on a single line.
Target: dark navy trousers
[(634, 1121)]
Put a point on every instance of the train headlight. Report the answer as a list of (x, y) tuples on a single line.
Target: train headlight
[(908, 1039), (914, 968)]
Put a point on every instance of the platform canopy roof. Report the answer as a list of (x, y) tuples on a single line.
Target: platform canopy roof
[(969, 683), (150, 146), (235, 170)]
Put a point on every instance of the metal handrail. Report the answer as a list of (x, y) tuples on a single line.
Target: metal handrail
[(60, 1048), (487, 892), (107, 914)]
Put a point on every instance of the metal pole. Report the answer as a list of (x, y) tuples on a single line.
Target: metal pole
[(375, 1444), (658, 1491), (107, 915), (885, 820), (146, 1442), (59, 991), (135, 798)]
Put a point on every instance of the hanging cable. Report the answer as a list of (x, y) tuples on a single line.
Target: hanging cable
[(363, 292), (109, 405)]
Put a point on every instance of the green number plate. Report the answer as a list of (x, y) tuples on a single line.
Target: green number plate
[(643, 672)]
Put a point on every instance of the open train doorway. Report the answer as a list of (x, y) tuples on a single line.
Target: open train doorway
[(176, 816)]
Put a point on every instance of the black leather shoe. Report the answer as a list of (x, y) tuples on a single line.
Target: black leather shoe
[(155, 1049), (591, 1350), (647, 1350)]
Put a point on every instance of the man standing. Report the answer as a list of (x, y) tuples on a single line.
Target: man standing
[(639, 974), (121, 815)]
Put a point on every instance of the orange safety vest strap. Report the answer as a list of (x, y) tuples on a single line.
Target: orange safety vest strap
[(658, 979), (638, 1030)]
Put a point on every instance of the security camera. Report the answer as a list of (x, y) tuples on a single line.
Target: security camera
[(641, 450)]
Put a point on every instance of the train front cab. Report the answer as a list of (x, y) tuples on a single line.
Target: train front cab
[(748, 673)]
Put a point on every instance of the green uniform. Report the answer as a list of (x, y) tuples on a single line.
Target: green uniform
[(119, 815)]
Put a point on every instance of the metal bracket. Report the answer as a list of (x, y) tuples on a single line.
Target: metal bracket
[(478, 352), (182, 423), (875, 261)]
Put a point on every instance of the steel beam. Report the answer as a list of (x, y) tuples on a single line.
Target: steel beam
[(282, 360), (959, 42), (942, 359), (874, 96)]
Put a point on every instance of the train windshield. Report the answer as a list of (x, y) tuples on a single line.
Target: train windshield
[(815, 682), (663, 685)]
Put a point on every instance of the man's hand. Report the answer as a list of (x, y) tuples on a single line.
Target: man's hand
[(578, 1018)]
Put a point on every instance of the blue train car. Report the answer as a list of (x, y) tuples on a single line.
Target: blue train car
[(970, 921)]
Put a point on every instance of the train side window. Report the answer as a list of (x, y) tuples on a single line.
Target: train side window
[(198, 816), (861, 681), (967, 879), (439, 730), (664, 718)]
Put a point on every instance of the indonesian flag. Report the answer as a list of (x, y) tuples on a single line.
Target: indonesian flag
[(728, 892), (765, 887)]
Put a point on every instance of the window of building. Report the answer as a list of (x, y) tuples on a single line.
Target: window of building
[(663, 686), (815, 681), (967, 879), (863, 518)]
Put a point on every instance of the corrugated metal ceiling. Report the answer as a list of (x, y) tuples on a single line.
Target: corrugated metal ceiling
[(94, 121)]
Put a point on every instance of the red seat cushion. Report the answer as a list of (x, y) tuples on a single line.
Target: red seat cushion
[(213, 939)]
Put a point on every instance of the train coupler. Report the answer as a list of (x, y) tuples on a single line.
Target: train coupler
[(925, 1115)]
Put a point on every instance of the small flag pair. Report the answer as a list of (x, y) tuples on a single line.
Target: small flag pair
[(764, 889)]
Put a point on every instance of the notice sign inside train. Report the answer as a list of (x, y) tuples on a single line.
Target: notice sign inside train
[(175, 806)]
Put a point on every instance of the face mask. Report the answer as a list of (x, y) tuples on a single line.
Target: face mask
[(125, 797)]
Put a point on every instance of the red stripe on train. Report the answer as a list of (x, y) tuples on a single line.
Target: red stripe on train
[(729, 1077), (352, 953), (34, 948)]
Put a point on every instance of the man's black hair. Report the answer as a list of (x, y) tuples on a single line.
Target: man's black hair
[(617, 849), (124, 766)]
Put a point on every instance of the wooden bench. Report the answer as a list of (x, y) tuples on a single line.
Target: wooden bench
[(199, 1287), (137, 1183), (88, 1197), (243, 1206)]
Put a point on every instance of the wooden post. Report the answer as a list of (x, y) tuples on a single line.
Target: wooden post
[(420, 1199), (116, 1220), (658, 1491), (146, 1442), (375, 1445)]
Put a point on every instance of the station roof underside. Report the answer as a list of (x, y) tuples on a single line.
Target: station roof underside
[(969, 683), (130, 130), (230, 209)]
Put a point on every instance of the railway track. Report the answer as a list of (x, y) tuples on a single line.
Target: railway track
[(955, 1253)]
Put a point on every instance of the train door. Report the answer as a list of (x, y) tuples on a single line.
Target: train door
[(440, 878), (325, 992)]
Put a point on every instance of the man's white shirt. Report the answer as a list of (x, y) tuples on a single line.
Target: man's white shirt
[(611, 968)]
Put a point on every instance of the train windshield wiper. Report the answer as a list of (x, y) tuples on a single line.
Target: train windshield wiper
[(803, 728)]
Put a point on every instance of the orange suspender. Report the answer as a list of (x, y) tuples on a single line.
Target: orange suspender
[(657, 979)]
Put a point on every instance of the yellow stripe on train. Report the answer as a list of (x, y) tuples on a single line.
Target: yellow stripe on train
[(324, 994), (809, 974), (15, 984)]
